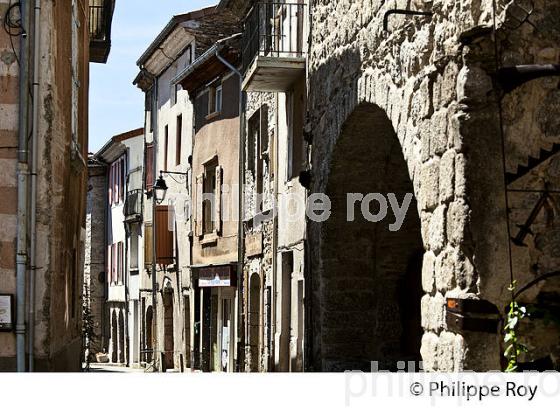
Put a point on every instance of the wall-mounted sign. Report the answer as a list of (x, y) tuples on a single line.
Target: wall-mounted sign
[(216, 276), (254, 244), (6, 313)]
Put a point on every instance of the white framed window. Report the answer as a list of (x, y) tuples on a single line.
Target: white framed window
[(215, 97)]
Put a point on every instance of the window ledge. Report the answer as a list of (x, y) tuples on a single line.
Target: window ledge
[(209, 238), (212, 115)]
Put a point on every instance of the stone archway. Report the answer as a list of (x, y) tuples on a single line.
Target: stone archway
[(254, 321), (370, 276)]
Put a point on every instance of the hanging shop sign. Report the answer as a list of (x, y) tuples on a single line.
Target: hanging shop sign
[(216, 276), (6, 313)]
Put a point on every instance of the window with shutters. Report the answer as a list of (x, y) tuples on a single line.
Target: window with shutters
[(165, 227), (148, 245), (117, 181), (209, 200), (258, 151), (149, 166)]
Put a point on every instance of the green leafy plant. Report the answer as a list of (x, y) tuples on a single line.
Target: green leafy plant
[(511, 338)]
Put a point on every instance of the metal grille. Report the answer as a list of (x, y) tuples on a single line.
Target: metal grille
[(273, 29), (97, 23), (133, 204)]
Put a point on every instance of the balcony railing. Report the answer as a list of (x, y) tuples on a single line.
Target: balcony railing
[(100, 19), (134, 206), (273, 29), (97, 24)]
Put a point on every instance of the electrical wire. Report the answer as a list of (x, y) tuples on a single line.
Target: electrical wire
[(503, 146), (10, 24)]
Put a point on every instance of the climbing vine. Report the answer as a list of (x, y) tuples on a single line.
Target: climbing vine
[(514, 347)]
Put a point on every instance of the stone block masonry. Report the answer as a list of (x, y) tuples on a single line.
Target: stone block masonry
[(431, 79)]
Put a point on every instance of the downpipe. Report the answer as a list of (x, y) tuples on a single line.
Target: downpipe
[(22, 189), (155, 135), (34, 147)]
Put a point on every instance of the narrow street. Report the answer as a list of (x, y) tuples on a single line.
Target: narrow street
[(240, 186)]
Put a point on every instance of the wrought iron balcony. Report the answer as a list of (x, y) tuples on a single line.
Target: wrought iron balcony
[(273, 46), (133, 206), (100, 19)]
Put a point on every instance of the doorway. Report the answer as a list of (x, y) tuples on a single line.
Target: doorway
[(168, 336)]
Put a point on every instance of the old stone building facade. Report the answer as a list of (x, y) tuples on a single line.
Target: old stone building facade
[(95, 289), (44, 81), (435, 102), (214, 90), (426, 105), (275, 154), (168, 298), (432, 130)]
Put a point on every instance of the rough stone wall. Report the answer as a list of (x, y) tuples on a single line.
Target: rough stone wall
[(262, 264), (62, 183), (531, 123), (61, 187), (432, 79), (94, 260)]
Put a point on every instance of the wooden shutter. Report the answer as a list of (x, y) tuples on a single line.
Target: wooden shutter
[(147, 244), (110, 185), (113, 263), (164, 235), (117, 194), (199, 222), (149, 166), (120, 267), (123, 177), (108, 274), (218, 201)]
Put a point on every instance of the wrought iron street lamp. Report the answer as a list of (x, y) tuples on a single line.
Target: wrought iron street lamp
[(160, 189)]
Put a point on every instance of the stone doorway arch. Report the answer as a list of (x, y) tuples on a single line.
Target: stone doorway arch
[(369, 288), (254, 322)]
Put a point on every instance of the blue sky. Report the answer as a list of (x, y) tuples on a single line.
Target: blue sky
[(115, 104)]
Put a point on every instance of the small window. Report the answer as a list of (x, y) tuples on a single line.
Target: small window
[(165, 147), (208, 204), (295, 120), (215, 99), (219, 98), (178, 141), (134, 250)]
